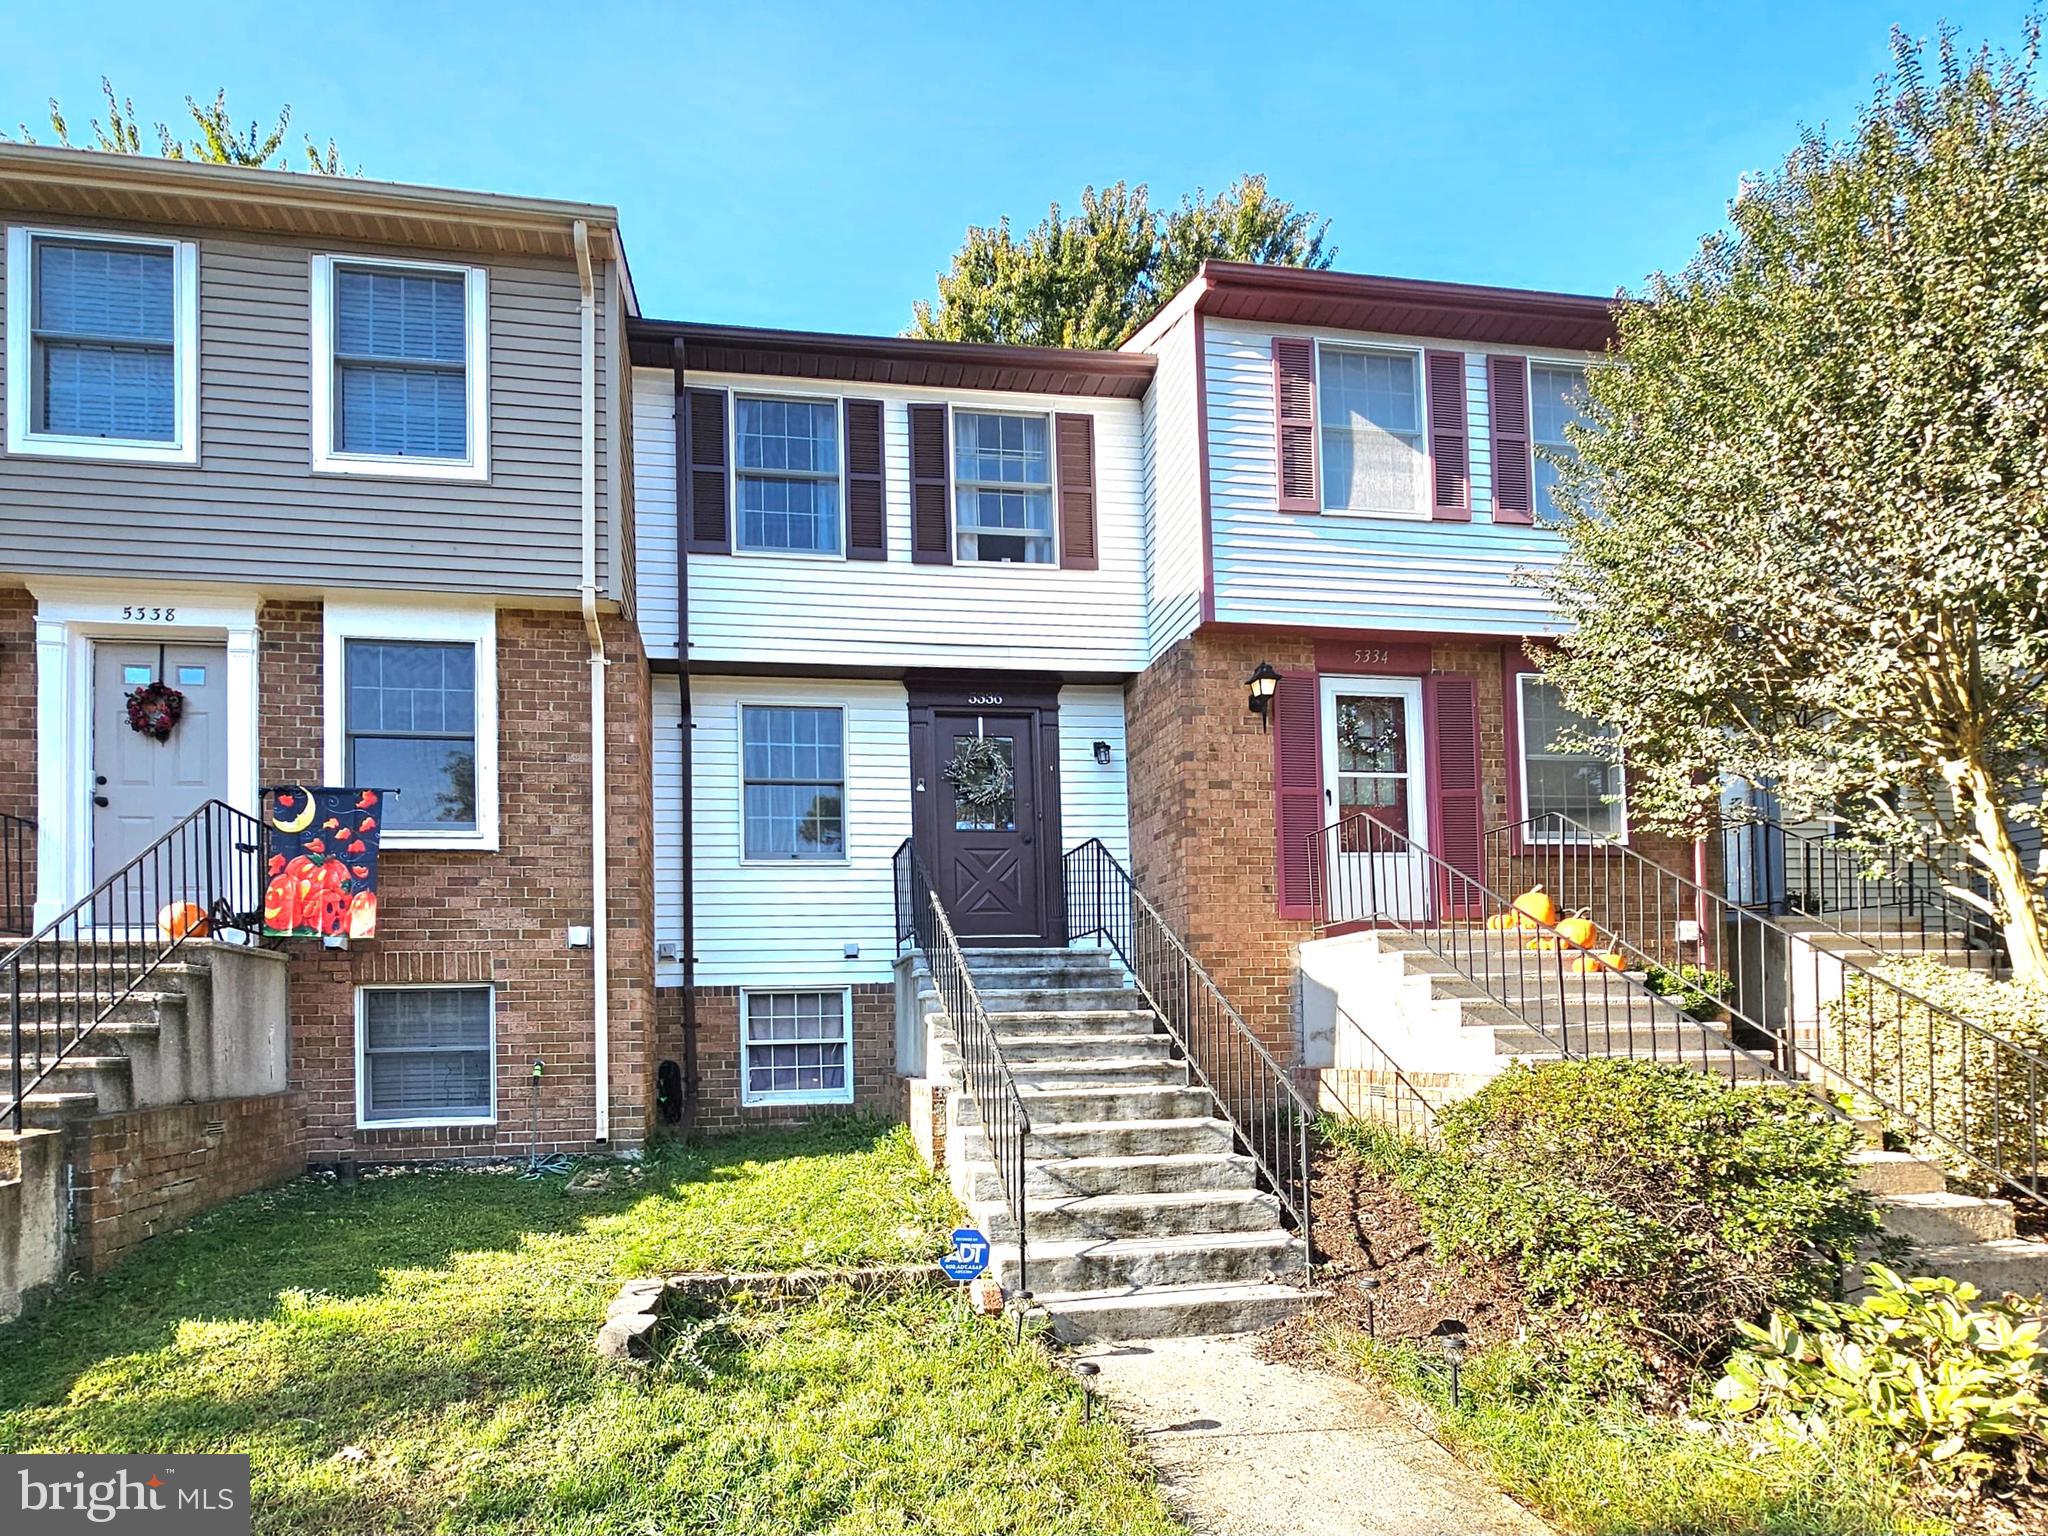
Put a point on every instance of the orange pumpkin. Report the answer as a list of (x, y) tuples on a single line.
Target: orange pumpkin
[(1504, 922), (1586, 965), (182, 920), (1536, 902), (1577, 931)]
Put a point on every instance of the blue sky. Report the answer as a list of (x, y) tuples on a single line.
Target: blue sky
[(814, 166)]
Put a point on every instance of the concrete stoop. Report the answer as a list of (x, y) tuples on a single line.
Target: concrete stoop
[(1143, 1219), (1966, 1237)]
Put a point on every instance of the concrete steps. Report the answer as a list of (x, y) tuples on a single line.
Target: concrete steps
[(1143, 1219), (1967, 1237)]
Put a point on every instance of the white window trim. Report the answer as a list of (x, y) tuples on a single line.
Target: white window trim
[(1052, 464), (739, 736), (1522, 681), (732, 429), (21, 438), (343, 622), (328, 460), (363, 1122), (1423, 512), (749, 1098), (1530, 364)]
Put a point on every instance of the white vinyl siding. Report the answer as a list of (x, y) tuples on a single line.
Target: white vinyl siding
[(894, 612), (1292, 570), (1094, 800), (1173, 493)]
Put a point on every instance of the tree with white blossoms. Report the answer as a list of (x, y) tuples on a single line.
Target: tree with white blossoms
[(1806, 537)]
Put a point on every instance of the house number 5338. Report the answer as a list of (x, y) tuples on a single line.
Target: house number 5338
[(140, 614)]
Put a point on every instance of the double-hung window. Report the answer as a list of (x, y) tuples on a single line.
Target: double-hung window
[(796, 1048), (1554, 393), (399, 368), (1002, 487), (1369, 402), (424, 1056), (793, 782), (102, 356), (1569, 796), (788, 472)]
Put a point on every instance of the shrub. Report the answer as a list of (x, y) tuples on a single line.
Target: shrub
[(1694, 988), (1652, 1194), (1971, 1094), (1956, 1387)]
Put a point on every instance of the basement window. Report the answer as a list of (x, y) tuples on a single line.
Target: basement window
[(796, 1047), (424, 1056)]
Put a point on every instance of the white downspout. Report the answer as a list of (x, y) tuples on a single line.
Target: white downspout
[(600, 888)]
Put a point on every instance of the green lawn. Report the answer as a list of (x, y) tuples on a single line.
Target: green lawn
[(443, 1322)]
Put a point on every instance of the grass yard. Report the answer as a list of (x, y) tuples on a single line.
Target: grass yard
[(415, 1354)]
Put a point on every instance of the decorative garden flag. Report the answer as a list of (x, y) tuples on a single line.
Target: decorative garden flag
[(323, 862)]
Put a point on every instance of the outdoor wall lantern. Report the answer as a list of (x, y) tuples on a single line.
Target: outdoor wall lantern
[(1259, 688), (1102, 753)]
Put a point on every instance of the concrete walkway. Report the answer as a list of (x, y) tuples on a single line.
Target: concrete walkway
[(1248, 1448)]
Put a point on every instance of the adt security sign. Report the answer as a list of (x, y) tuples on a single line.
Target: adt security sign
[(969, 1256)]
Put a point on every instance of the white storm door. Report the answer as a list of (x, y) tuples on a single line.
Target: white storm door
[(1374, 788)]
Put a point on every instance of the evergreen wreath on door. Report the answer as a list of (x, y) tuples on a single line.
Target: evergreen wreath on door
[(154, 710), (983, 781)]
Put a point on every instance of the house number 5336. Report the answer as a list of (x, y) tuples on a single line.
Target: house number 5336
[(140, 614)]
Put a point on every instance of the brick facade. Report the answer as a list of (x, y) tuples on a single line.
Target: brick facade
[(876, 1086), (152, 1170), (1201, 790), (17, 731)]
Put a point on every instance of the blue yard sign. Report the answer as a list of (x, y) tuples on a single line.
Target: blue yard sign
[(969, 1256)]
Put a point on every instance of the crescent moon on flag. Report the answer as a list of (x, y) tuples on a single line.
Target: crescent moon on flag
[(304, 819)]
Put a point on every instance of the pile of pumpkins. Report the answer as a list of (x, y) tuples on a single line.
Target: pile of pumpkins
[(1576, 935)]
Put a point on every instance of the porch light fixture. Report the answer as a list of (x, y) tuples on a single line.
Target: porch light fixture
[(1259, 690), (1102, 753)]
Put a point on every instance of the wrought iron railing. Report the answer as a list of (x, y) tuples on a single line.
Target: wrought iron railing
[(1829, 1016), (68, 977), (1272, 1120), (17, 874), (1578, 997), (1367, 1084), (922, 921)]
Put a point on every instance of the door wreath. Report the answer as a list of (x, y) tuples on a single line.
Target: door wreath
[(983, 781), (154, 710)]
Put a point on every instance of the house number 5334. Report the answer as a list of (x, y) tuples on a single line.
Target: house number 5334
[(142, 614)]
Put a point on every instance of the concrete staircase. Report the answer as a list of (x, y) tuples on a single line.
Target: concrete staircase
[(1143, 1220), (1967, 1237)]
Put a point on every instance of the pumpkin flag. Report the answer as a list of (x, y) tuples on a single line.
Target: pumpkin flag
[(323, 862)]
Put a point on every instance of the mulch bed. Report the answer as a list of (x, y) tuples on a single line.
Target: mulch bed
[(1367, 1229)]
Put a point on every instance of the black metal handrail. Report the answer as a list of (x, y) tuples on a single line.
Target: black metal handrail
[(921, 920), (17, 873), (1378, 1092), (1939, 1077), (68, 977), (1366, 874), (1273, 1121)]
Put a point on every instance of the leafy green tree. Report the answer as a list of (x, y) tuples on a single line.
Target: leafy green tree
[(1807, 531), (1092, 279), (217, 141)]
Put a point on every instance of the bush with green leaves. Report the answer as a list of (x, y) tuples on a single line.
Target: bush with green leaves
[(1696, 989), (1646, 1193), (1969, 1087), (1956, 1385)]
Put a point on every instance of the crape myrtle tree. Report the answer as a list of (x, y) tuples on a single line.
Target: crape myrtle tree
[(1806, 536), (217, 141), (1092, 278)]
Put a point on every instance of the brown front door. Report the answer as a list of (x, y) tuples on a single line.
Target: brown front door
[(994, 859)]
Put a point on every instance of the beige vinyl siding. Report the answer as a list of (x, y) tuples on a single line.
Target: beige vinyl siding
[(252, 510)]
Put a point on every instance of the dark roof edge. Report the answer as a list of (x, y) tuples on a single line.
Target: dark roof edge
[(1416, 291)]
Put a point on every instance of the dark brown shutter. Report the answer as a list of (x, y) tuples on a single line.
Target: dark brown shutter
[(1514, 475), (1294, 411), (867, 518), (1450, 452), (1297, 790), (700, 472), (1457, 831), (931, 498), (1076, 435)]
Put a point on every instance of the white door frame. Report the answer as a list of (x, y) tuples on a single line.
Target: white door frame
[(1401, 873), (69, 618)]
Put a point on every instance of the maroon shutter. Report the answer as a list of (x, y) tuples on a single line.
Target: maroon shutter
[(1076, 435), (1457, 834), (700, 472), (931, 515), (1450, 454), (867, 524), (1294, 411), (1514, 475), (1297, 790)]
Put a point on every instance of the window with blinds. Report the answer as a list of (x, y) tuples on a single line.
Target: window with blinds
[(797, 1047), (103, 341), (1370, 403), (401, 350), (426, 1054)]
